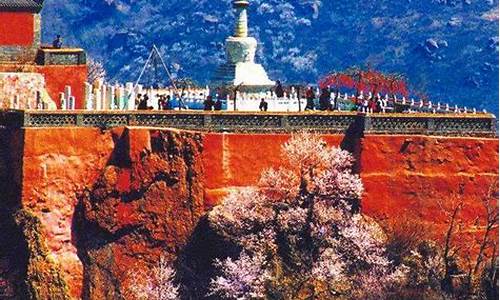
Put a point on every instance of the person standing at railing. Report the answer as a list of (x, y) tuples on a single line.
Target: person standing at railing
[(58, 42), (378, 105), (278, 90), (208, 104), (309, 98), (335, 98), (263, 105), (372, 107), (366, 105), (324, 100), (218, 105), (161, 102), (143, 102), (137, 100), (167, 104)]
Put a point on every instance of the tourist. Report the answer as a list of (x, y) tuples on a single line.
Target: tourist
[(278, 90), (335, 99), (366, 105), (167, 104), (373, 105), (208, 104), (57, 43), (324, 100), (143, 102), (309, 98), (218, 105), (161, 102), (138, 100), (263, 105), (359, 103), (378, 106)]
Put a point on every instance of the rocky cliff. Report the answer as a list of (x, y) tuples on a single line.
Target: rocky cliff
[(86, 207)]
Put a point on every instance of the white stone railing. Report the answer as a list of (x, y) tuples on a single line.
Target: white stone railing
[(102, 97)]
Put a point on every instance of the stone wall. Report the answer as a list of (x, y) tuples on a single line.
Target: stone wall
[(64, 56), (405, 177), (20, 36)]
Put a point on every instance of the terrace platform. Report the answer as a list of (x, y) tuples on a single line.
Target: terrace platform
[(63, 56), (463, 125)]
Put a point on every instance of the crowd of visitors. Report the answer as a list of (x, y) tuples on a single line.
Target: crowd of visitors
[(323, 100), (164, 102), (328, 100), (210, 104), (142, 102)]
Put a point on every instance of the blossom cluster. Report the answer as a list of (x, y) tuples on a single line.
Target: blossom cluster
[(299, 231), (157, 284)]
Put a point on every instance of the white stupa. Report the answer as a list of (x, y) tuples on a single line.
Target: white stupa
[(240, 68)]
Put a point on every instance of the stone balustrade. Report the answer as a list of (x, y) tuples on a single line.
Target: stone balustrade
[(332, 122), (101, 96)]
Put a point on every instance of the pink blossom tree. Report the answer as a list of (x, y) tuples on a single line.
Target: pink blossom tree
[(300, 232), (96, 71), (155, 284)]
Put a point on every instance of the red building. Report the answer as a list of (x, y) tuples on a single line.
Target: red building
[(21, 50)]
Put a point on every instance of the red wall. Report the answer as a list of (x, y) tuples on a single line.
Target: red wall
[(403, 176), (235, 160), (16, 29), (57, 77)]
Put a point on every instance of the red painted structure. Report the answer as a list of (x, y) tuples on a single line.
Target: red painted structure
[(17, 28), (20, 51), (59, 76)]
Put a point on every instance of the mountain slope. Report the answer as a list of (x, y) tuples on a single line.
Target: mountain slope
[(448, 49)]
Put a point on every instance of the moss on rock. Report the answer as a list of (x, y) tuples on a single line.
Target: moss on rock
[(43, 279)]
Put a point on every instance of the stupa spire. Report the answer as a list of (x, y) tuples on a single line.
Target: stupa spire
[(241, 28), (240, 68)]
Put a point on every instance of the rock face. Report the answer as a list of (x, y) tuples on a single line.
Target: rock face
[(88, 207), (140, 208), (34, 274), (56, 166), (98, 195)]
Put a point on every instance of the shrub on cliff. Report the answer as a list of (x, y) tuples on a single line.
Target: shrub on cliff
[(300, 232), (463, 265), (155, 284)]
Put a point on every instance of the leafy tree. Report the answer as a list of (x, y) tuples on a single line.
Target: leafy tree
[(463, 265)]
